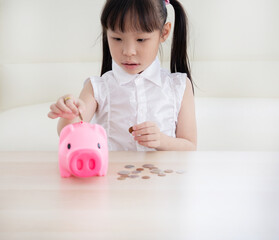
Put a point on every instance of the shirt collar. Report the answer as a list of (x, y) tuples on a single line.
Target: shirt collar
[(151, 73)]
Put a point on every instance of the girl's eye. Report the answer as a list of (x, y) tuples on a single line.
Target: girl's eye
[(117, 39), (141, 40)]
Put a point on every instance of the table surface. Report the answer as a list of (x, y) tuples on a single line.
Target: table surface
[(221, 195)]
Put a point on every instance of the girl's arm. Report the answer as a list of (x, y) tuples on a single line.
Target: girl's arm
[(149, 135), (186, 129), (69, 110)]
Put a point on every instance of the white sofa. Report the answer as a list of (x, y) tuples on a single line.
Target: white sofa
[(49, 47)]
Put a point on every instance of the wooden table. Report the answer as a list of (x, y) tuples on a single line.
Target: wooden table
[(222, 195)]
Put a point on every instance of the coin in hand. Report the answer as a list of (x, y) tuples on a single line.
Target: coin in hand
[(131, 130)]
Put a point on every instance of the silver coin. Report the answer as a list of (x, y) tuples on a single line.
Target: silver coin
[(180, 171), (133, 176), (153, 168), (148, 165), (136, 172), (124, 172), (129, 166)]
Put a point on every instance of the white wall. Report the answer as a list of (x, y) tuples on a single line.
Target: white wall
[(48, 47), (235, 47)]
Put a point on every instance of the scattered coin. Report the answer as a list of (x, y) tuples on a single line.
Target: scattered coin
[(129, 166), (133, 176), (137, 173), (131, 130), (145, 177), (152, 168), (148, 165), (121, 178), (123, 172)]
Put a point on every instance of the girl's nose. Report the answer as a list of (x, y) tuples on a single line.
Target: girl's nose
[(129, 50)]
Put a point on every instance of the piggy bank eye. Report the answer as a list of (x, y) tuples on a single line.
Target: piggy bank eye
[(69, 146), (99, 145)]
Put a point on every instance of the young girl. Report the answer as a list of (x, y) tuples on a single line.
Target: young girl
[(133, 90)]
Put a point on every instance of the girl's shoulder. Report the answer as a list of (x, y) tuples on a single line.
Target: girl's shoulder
[(99, 86), (177, 78), (100, 79)]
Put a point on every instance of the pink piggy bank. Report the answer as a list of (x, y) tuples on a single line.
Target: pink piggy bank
[(83, 150)]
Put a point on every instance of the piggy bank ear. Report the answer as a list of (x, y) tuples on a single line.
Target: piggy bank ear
[(65, 132), (99, 129)]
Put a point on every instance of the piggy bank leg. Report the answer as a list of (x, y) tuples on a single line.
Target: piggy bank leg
[(64, 173), (103, 172)]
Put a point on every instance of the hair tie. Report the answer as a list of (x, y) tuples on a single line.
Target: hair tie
[(167, 2)]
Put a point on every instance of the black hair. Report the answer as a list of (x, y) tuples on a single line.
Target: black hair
[(147, 16)]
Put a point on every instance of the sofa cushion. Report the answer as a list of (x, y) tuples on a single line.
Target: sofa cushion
[(250, 124), (28, 129), (224, 124)]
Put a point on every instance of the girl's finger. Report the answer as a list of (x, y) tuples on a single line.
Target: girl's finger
[(143, 125), (147, 138), (80, 105), (52, 115), (71, 104), (62, 106), (144, 131), (55, 109)]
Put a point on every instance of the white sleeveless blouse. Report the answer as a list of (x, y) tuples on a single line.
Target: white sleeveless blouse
[(125, 100)]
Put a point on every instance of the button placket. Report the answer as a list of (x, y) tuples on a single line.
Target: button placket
[(141, 105), (141, 99)]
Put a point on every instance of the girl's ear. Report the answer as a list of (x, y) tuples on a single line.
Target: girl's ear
[(165, 32)]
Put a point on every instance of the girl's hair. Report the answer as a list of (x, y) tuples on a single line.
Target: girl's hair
[(147, 16)]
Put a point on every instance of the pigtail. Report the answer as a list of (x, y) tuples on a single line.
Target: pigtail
[(107, 59), (143, 18), (179, 56)]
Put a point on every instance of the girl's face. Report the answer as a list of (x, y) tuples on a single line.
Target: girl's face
[(134, 51)]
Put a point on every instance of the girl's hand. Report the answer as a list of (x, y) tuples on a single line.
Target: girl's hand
[(147, 134), (67, 107)]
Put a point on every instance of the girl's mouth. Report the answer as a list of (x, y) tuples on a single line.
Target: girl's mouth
[(130, 65)]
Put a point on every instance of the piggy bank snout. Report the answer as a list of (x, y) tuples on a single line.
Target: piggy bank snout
[(85, 162)]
